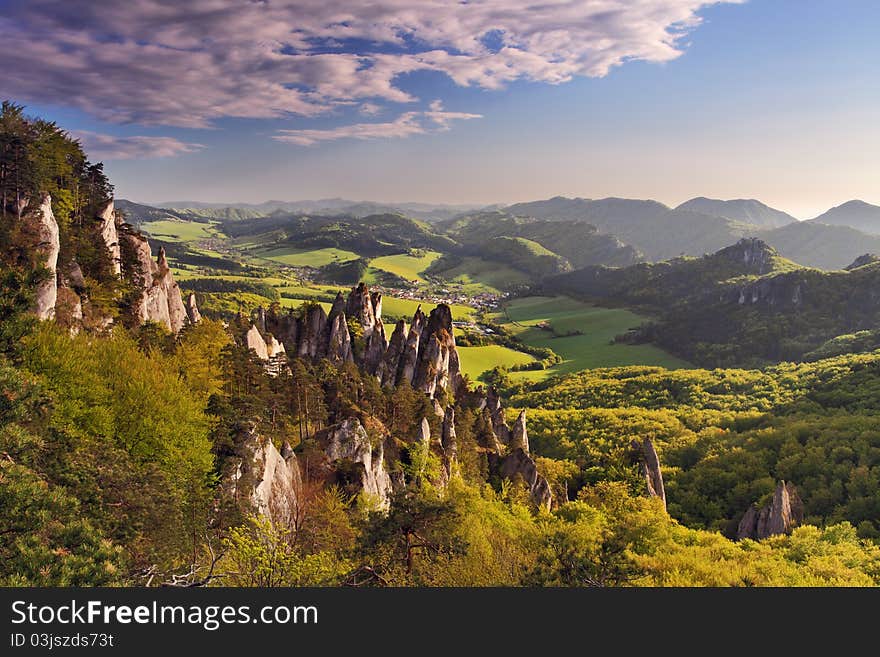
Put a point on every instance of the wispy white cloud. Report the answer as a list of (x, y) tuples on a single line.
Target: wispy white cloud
[(190, 64), (110, 147), (407, 124)]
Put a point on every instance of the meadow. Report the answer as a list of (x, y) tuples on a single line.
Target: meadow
[(170, 230), (407, 266), (582, 334)]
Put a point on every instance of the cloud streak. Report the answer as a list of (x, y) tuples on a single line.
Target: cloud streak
[(406, 125), (190, 64), (111, 147)]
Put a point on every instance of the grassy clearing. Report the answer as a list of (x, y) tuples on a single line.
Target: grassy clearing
[(309, 257), (405, 265), (476, 360), (593, 348), (478, 275), (171, 230)]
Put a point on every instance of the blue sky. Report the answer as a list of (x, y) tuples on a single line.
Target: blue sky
[(769, 99)]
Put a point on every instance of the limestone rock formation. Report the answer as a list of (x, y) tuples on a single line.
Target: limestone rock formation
[(780, 516), (520, 436), (255, 341), (518, 465), (649, 466), (423, 355), (448, 442), (192, 309), (339, 344), (265, 348), (109, 233), (349, 441), (264, 477), (388, 367), (160, 299), (48, 246)]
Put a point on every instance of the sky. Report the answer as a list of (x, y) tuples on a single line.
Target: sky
[(477, 101)]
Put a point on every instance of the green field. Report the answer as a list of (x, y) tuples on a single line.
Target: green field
[(171, 230), (406, 266), (308, 257), (478, 275), (593, 348), (476, 360)]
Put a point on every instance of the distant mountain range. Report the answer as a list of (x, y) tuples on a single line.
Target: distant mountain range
[(611, 231)]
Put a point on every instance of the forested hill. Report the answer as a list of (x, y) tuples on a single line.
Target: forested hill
[(744, 305)]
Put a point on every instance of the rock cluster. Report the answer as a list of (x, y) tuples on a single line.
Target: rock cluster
[(61, 295), (508, 450), (423, 354), (779, 516)]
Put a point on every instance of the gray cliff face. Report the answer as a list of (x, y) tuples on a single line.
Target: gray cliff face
[(780, 516), (256, 343), (360, 307), (778, 292), (349, 441), (520, 436), (265, 478), (339, 345), (160, 300), (110, 234), (48, 248), (390, 363)]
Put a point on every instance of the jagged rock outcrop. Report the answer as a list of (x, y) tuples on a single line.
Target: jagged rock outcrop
[(359, 306), (109, 223), (436, 366), (780, 516), (339, 345), (518, 465), (649, 466), (496, 415), (390, 364), (349, 441), (48, 247), (192, 309), (863, 260), (265, 348), (424, 355), (255, 342), (519, 438), (313, 337), (449, 443), (160, 300), (262, 476), (754, 253), (509, 455)]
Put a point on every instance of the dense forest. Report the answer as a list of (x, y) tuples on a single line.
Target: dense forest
[(117, 442)]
